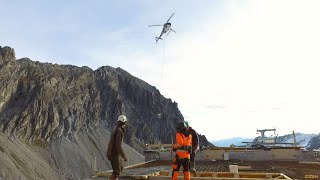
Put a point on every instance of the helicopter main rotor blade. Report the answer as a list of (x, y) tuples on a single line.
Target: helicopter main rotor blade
[(154, 25), (170, 17)]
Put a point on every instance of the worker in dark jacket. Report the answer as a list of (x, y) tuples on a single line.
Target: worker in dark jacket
[(195, 146), (115, 152)]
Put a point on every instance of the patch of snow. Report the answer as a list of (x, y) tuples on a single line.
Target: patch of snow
[(237, 141)]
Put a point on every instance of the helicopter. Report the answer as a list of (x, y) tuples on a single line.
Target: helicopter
[(165, 29)]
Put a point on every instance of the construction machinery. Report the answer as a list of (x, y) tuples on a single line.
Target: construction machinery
[(271, 141)]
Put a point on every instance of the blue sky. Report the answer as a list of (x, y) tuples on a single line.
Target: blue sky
[(232, 66)]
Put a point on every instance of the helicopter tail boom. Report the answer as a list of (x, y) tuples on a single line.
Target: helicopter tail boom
[(157, 39)]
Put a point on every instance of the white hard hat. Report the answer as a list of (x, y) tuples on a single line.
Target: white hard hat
[(122, 118)]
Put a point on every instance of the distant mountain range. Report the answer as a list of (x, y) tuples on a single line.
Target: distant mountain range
[(308, 141), (237, 141)]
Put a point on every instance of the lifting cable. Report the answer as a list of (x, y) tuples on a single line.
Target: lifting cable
[(163, 78)]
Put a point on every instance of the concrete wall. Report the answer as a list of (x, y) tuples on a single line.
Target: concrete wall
[(253, 155), (287, 154), (262, 155), (214, 154)]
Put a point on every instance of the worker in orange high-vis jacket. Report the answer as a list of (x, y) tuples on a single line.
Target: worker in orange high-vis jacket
[(183, 148)]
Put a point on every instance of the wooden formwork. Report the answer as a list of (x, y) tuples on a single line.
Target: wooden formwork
[(162, 175), (109, 173), (162, 169), (222, 175)]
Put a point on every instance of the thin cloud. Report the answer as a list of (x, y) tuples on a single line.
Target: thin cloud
[(214, 106)]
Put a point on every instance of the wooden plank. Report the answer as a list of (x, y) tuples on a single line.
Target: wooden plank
[(143, 163), (278, 177), (236, 175), (159, 145), (285, 176), (309, 162), (164, 173), (204, 174), (225, 174), (109, 172), (102, 174), (244, 168)]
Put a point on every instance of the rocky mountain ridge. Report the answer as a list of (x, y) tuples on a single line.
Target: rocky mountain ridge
[(43, 100), (68, 113)]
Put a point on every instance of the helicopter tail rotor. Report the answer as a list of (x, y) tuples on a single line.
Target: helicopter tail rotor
[(157, 39)]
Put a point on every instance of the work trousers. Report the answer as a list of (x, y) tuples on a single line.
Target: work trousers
[(117, 165), (192, 160), (177, 163)]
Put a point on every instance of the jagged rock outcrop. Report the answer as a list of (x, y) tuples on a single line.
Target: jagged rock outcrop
[(7, 54), (43, 100)]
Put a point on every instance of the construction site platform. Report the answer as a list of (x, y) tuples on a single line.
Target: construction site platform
[(161, 169)]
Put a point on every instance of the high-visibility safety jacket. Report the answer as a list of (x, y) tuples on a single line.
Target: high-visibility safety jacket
[(183, 145)]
